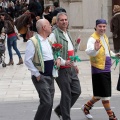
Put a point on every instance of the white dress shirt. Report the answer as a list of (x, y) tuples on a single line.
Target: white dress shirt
[(30, 51)]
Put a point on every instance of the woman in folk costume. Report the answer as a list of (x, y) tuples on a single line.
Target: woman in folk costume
[(99, 51)]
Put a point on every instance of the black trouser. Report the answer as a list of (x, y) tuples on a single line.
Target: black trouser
[(45, 89), (69, 85)]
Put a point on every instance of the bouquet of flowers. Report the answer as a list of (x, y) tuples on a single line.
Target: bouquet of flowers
[(56, 53), (76, 58)]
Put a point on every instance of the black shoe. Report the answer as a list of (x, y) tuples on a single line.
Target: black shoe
[(58, 114)]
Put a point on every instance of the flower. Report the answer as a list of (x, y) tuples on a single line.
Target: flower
[(56, 46), (56, 53), (56, 50), (76, 58), (77, 43)]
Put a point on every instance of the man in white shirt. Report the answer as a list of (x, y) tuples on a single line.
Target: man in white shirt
[(39, 60), (67, 80)]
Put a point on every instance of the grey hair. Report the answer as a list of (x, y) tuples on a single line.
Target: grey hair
[(61, 13), (38, 25)]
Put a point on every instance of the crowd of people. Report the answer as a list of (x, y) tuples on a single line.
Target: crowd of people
[(50, 26), (11, 15)]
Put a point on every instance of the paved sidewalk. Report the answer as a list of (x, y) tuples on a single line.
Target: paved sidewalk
[(16, 84)]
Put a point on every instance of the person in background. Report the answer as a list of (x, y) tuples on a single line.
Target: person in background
[(1, 3), (27, 23), (18, 9), (48, 13), (40, 62), (54, 25), (57, 9), (12, 38), (67, 79), (100, 57), (35, 8), (115, 28), (42, 5), (1, 9), (10, 10)]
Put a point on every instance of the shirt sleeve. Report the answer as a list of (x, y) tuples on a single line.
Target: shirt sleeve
[(90, 47), (52, 38), (112, 53), (62, 61), (29, 54)]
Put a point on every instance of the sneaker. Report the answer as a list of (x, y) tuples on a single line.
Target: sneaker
[(86, 112), (59, 116)]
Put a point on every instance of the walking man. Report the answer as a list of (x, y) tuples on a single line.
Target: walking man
[(99, 51), (39, 60), (67, 80)]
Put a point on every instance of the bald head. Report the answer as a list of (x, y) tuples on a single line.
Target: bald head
[(40, 23), (43, 25)]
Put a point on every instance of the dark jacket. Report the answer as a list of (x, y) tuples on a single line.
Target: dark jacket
[(1, 26), (9, 27), (115, 29), (35, 7), (58, 10), (8, 24), (48, 16), (115, 24)]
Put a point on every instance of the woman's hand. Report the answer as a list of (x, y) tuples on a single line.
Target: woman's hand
[(97, 45)]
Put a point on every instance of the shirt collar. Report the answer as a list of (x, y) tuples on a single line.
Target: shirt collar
[(63, 31), (41, 38)]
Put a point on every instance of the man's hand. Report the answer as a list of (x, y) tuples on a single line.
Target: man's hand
[(38, 78), (97, 45), (76, 68), (69, 63), (3, 34), (117, 55), (58, 62)]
